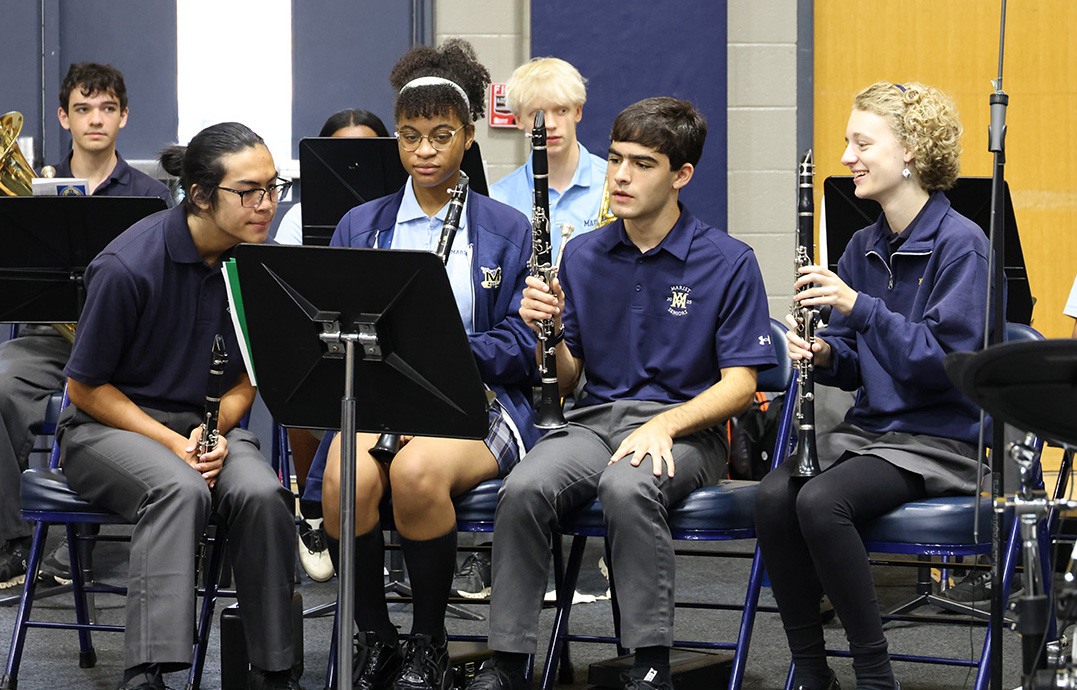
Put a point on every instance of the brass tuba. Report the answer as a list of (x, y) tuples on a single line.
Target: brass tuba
[(15, 179), (15, 172)]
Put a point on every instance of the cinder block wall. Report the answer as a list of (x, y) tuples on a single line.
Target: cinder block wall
[(762, 130), (501, 34)]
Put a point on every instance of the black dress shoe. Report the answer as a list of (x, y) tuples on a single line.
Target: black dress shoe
[(648, 679), (426, 665), (831, 684), (374, 664), (148, 679), (259, 679), (491, 677)]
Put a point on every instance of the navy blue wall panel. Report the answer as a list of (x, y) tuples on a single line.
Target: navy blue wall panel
[(342, 53), (20, 65), (136, 36), (639, 49)]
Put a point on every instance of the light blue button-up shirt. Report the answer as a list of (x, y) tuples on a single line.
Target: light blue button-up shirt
[(415, 230), (577, 206)]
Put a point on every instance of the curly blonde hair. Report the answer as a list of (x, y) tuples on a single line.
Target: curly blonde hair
[(925, 120)]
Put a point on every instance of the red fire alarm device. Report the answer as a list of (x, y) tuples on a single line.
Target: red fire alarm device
[(500, 115)]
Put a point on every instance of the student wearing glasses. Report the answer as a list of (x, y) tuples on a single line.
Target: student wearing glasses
[(137, 381), (440, 94)]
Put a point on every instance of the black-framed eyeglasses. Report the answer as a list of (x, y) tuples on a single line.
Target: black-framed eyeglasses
[(252, 198), (441, 138)]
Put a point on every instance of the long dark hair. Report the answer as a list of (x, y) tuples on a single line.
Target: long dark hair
[(353, 117), (199, 163)]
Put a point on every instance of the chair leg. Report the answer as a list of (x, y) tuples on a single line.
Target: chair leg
[(18, 635), (789, 676), (565, 673), (209, 598), (747, 622), (564, 608), (85, 615), (1013, 542), (614, 606)]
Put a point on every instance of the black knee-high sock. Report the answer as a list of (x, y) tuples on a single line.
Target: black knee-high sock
[(311, 510), (371, 611), (431, 564)]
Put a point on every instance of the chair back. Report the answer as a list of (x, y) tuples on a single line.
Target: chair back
[(777, 378), (54, 456), (1020, 333)]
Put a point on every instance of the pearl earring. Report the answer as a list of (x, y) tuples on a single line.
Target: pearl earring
[(906, 173)]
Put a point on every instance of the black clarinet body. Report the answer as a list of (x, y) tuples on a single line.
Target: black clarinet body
[(807, 459), (550, 414), (214, 391), (388, 444)]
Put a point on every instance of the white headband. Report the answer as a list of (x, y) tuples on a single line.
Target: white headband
[(436, 81)]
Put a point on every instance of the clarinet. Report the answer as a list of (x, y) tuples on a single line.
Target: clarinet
[(388, 444), (807, 459), (550, 415), (210, 432)]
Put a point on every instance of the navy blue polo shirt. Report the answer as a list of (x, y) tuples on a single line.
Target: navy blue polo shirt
[(123, 181), (660, 326), (152, 308)]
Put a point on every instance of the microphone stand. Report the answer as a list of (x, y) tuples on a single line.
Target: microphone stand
[(996, 324)]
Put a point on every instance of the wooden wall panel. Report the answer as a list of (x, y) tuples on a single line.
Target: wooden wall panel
[(953, 44)]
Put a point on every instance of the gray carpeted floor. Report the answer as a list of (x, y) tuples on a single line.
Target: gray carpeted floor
[(51, 658)]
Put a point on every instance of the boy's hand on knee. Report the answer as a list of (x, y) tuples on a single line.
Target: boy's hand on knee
[(650, 439)]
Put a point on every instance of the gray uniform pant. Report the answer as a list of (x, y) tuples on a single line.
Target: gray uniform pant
[(170, 506), (31, 369), (568, 468)]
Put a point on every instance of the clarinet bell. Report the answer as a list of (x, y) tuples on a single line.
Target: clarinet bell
[(385, 449), (550, 414), (806, 463), (550, 418)]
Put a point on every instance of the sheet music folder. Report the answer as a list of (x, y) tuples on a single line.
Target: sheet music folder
[(423, 381), (970, 196), (339, 173), (49, 241)]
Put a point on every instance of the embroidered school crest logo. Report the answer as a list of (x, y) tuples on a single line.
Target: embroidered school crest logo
[(491, 277), (679, 300)]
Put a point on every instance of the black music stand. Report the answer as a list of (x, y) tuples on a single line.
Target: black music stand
[(49, 241), (306, 309), (339, 173), (970, 196), (1032, 385)]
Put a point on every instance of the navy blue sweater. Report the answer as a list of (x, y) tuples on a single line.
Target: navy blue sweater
[(927, 300)]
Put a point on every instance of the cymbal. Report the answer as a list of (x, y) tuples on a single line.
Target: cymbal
[(1031, 385)]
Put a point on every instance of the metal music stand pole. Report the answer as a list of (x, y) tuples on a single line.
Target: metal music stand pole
[(996, 289), (346, 582)]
